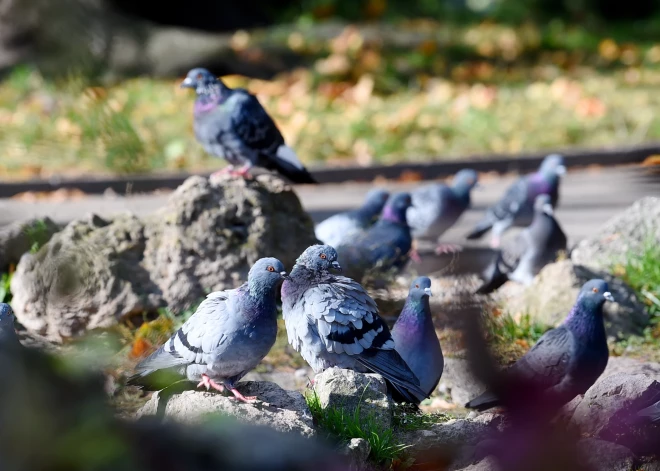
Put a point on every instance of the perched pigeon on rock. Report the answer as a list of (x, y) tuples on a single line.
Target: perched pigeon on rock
[(385, 246), (344, 227), (415, 339), (566, 360), (516, 208), (231, 123), (437, 207), (332, 321), (535, 247), (7, 329), (227, 336)]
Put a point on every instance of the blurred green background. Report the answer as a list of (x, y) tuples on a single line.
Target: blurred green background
[(91, 86)]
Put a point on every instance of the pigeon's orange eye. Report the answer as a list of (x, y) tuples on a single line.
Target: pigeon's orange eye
[(595, 290), (416, 286), (323, 257), (200, 76), (270, 268)]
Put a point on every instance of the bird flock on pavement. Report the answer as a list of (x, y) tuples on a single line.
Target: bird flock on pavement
[(331, 319)]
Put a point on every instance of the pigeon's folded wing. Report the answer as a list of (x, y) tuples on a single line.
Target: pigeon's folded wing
[(509, 205), (253, 126)]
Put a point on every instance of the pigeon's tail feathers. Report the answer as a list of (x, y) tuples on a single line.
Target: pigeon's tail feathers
[(480, 229), (483, 402), (390, 365), (652, 412), (494, 276), (287, 163), (137, 378)]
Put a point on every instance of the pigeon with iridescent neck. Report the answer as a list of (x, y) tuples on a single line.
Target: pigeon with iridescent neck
[(535, 247), (437, 207), (7, 329), (231, 123), (226, 337), (415, 339), (332, 321), (516, 207), (385, 246), (344, 227), (567, 360)]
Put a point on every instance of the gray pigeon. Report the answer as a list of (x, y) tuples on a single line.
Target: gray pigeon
[(535, 247), (231, 123), (344, 227), (516, 208), (566, 360), (437, 207), (415, 339), (227, 336), (7, 328), (332, 321)]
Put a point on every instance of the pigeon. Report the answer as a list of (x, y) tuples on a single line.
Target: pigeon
[(332, 322), (651, 412), (516, 207), (437, 207), (566, 360), (535, 247), (415, 339), (7, 330), (383, 247), (227, 336), (231, 123), (343, 227)]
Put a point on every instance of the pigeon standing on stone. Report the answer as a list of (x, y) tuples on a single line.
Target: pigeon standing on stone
[(344, 227), (415, 339), (535, 247), (231, 123), (516, 208), (385, 245), (7, 329), (566, 360), (227, 336), (437, 207), (332, 321)]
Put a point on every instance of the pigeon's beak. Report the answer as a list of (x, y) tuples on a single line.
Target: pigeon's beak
[(608, 296), (284, 275), (547, 209), (336, 265), (560, 170), (187, 83), (428, 291)]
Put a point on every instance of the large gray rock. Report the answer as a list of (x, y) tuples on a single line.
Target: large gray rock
[(350, 391), (600, 455), (24, 236), (609, 411), (357, 451), (285, 411), (631, 366), (459, 381), (628, 231), (96, 272), (555, 289)]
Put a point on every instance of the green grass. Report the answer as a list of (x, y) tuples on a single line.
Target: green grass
[(409, 418), (5, 291), (510, 338), (336, 424), (642, 272)]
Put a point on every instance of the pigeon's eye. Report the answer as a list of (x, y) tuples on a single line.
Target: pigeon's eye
[(595, 290), (416, 286), (323, 257), (200, 76), (270, 268)]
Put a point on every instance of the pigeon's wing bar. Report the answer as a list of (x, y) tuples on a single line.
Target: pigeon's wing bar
[(509, 205), (546, 364), (253, 126)]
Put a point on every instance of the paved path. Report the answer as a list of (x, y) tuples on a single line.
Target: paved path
[(588, 198)]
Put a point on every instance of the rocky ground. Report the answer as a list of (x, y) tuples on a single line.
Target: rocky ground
[(106, 292)]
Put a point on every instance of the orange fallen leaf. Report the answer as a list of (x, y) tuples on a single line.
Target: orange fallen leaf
[(140, 348), (411, 176), (651, 160)]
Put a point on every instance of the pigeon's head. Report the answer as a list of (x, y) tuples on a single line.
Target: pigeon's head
[(319, 258), (466, 179), (396, 207), (553, 164), (420, 288), (201, 80), (376, 199), (6, 316), (594, 293), (543, 204), (267, 272)]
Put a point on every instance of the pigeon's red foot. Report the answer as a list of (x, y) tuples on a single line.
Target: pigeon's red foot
[(414, 256), (244, 172), (222, 171), (447, 248), (241, 398), (495, 242), (209, 383)]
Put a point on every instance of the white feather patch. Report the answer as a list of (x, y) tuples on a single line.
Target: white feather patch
[(287, 154)]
